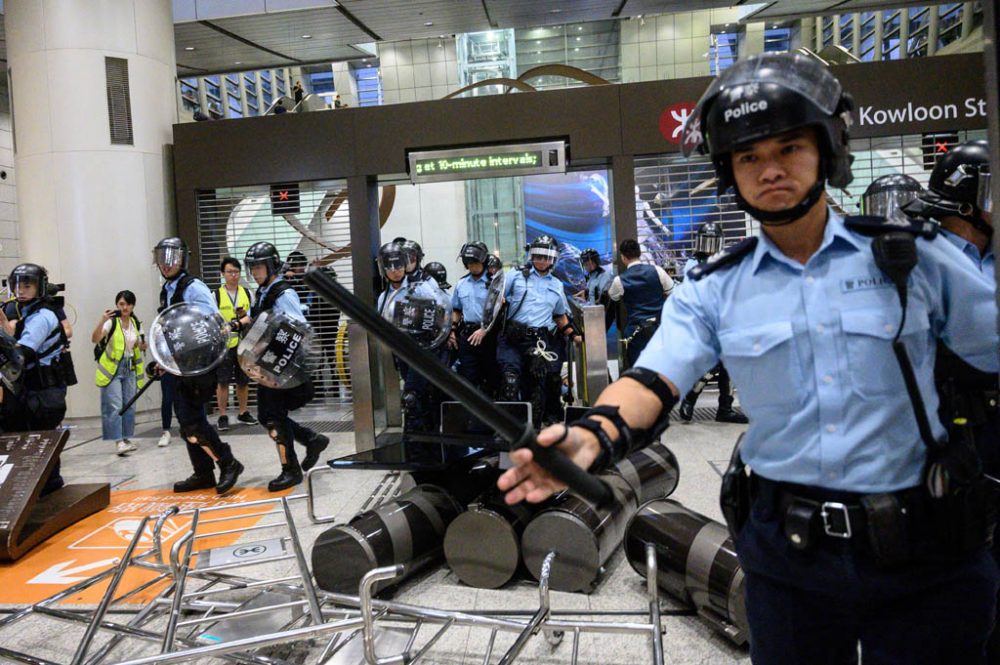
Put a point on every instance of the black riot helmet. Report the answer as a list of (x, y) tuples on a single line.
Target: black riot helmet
[(414, 254), (590, 254), (171, 252), (439, 273), (708, 240), (544, 245), (493, 264), (391, 257), (263, 253), (26, 274), (886, 195), (471, 252), (959, 186), (764, 96)]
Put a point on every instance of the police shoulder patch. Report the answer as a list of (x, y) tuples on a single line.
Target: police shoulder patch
[(870, 225), (727, 257)]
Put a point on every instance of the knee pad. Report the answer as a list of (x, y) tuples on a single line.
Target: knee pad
[(276, 430), (510, 387), (411, 402)]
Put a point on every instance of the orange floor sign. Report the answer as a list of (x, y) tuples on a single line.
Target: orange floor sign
[(98, 542)]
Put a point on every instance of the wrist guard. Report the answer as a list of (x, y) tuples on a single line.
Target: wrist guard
[(652, 381), (572, 330), (612, 451)]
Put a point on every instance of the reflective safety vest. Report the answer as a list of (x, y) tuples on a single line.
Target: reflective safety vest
[(227, 310), (107, 364)]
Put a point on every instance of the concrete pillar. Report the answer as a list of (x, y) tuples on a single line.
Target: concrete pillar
[(91, 211)]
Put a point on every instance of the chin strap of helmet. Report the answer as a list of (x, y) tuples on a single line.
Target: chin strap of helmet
[(932, 205), (782, 217)]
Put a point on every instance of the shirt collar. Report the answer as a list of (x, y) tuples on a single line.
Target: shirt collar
[(967, 247), (835, 233)]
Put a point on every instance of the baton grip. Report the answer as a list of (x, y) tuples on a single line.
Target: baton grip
[(553, 460)]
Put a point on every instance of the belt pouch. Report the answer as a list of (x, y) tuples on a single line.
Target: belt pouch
[(800, 524), (887, 529)]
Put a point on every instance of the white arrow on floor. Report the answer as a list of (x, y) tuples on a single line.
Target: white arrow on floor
[(61, 573)]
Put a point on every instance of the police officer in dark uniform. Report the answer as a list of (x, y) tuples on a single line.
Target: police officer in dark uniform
[(598, 279), (437, 271), (708, 242), (275, 294), (642, 288), (861, 524), (204, 446), (476, 349), (40, 404), (537, 311)]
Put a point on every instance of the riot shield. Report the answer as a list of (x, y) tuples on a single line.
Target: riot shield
[(421, 310), (11, 362), (188, 339), (275, 351), (493, 307)]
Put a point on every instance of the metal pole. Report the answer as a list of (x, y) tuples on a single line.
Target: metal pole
[(518, 434)]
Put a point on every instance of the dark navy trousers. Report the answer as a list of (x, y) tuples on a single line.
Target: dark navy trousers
[(815, 607)]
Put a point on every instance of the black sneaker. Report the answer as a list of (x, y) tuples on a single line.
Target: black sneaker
[(731, 416), (686, 411), (316, 445), (196, 481), (223, 424), (291, 475), (228, 476), (247, 418)]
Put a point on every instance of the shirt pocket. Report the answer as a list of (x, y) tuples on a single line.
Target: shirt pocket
[(764, 364), (874, 371)]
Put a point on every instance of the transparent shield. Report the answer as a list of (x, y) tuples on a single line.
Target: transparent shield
[(422, 311), (494, 300), (275, 352), (188, 339)]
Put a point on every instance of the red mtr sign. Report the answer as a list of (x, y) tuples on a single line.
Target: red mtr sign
[(672, 120)]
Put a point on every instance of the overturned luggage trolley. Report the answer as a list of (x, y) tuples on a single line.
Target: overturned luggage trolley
[(209, 606)]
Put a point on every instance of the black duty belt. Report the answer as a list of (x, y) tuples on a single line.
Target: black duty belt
[(466, 328)]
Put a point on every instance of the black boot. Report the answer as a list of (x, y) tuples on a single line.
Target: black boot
[(316, 445), (291, 475), (730, 415), (228, 475), (686, 411), (196, 481)]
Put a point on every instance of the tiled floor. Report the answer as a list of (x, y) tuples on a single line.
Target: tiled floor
[(702, 449)]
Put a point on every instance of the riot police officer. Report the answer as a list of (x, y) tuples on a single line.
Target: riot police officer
[(860, 526), (708, 242), (414, 258), (886, 195), (643, 288), (493, 265), (392, 264), (40, 404), (475, 352), (537, 312), (598, 279), (205, 448), (275, 294)]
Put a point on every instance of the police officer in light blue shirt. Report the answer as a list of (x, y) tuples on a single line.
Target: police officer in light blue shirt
[(857, 528), (476, 352), (205, 448), (278, 296), (536, 312)]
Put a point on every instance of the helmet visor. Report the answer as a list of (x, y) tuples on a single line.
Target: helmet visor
[(707, 244), (984, 195), (393, 262), (794, 72), (168, 257), (544, 252), (887, 203)]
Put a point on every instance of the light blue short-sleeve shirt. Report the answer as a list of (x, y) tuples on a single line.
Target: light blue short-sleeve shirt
[(534, 300), (469, 297), (809, 348), (39, 325)]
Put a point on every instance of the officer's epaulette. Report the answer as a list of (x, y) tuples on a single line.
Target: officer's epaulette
[(727, 257), (870, 225)]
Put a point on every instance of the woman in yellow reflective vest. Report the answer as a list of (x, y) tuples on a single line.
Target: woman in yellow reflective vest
[(119, 371)]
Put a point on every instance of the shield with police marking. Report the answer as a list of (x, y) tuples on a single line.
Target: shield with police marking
[(422, 311), (11, 362), (188, 339), (275, 351), (493, 307)]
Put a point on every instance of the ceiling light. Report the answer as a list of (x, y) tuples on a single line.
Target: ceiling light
[(188, 48), (577, 39), (579, 27), (306, 36), (429, 23), (538, 52), (576, 49), (238, 62), (554, 11), (538, 41)]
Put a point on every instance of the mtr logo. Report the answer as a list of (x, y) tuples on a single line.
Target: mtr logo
[(672, 120)]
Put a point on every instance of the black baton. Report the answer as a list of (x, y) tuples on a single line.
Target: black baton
[(518, 434), (135, 397)]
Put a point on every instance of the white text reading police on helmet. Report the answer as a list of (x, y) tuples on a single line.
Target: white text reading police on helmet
[(743, 109)]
